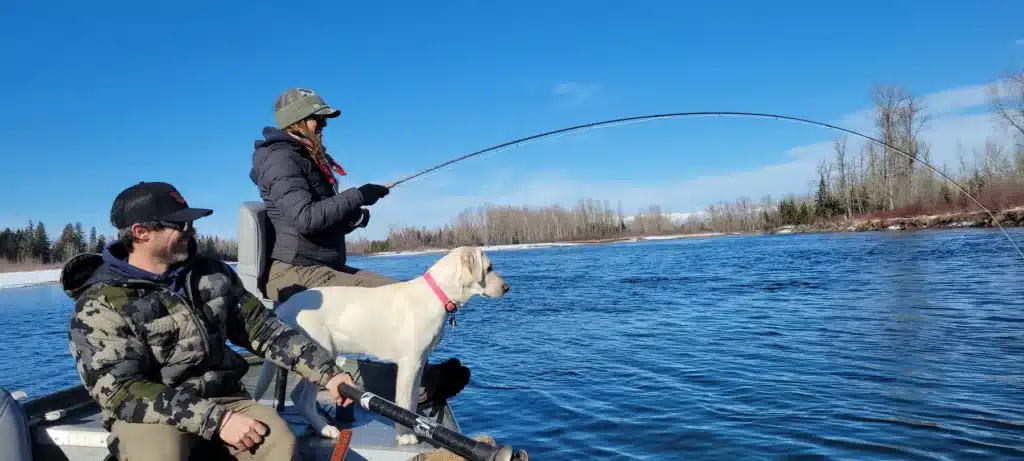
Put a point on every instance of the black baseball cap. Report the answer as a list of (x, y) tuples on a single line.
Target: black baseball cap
[(152, 201)]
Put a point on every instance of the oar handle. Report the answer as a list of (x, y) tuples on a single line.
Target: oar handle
[(455, 442)]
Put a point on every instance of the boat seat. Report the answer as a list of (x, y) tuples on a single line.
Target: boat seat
[(255, 241)]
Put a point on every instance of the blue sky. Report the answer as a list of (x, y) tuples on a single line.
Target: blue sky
[(101, 95)]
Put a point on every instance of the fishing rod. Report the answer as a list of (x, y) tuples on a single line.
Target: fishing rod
[(670, 115), (455, 442)]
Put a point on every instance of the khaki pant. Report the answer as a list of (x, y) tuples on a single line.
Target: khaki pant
[(159, 442), (285, 279)]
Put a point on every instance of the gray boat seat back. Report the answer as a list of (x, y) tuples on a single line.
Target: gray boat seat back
[(255, 240), (15, 444)]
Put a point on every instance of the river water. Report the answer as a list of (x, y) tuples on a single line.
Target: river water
[(883, 345)]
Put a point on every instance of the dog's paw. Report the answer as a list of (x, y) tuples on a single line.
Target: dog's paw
[(407, 439), (330, 432)]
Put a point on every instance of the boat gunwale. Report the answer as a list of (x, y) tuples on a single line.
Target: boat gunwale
[(75, 401)]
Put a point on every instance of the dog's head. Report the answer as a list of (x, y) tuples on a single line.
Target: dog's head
[(474, 273)]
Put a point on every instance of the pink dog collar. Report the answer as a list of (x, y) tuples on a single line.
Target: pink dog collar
[(449, 306)]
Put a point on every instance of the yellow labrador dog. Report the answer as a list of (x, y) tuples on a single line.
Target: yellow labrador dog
[(399, 323)]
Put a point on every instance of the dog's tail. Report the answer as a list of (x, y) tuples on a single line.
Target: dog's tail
[(267, 371)]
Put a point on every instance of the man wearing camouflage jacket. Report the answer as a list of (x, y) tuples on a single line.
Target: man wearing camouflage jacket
[(148, 336)]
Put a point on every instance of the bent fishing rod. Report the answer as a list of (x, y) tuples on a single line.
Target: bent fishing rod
[(429, 429), (671, 115)]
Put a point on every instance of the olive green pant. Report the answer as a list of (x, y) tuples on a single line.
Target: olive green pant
[(161, 442), (284, 280)]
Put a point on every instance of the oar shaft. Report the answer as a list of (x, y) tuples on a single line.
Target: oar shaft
[(426, 427)]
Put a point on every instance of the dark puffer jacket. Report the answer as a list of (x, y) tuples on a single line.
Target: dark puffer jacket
[(310, 217)]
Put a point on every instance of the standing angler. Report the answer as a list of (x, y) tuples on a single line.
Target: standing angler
[(148, 336)]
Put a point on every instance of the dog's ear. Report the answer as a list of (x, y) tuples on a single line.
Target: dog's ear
[(466, 271), (480, 266)]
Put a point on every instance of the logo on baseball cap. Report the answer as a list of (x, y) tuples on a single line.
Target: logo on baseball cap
[(152, 201)]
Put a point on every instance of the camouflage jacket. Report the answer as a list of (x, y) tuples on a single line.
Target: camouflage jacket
[(148, 355)]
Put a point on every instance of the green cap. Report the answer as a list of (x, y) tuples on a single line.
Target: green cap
[(298, 103)]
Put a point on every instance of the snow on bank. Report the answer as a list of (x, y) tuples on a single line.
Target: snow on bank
[(527, 246), (524, 246), (27, 279), (46, 277)]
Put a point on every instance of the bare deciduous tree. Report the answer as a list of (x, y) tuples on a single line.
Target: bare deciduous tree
[(1007, 99)]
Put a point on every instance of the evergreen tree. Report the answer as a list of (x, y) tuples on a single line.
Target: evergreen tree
[(8, 244), (92, 239), (41, 244), (947, 194), (66, 245), (27, 242), (789, 213), (821, 200), (79, 238), (804, 215)]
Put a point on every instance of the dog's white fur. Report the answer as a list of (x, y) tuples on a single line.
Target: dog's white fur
[(400, 323)]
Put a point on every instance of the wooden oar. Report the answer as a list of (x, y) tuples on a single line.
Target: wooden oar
[(341, 447)]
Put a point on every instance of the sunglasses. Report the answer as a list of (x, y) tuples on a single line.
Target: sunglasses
[(179, 226)]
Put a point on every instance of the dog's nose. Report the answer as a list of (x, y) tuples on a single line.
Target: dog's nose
[(504, 286)]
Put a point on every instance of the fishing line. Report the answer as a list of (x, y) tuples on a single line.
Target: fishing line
[(670, 115)]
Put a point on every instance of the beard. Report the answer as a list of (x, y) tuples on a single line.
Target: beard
[(177, 252)]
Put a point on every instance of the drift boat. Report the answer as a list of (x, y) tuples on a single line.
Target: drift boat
[(65, 425)]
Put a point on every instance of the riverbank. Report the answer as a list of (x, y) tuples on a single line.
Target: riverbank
[(29, 278), (1013, 217), (529, 246), (21, 279), (40, 277), (1008, 218)]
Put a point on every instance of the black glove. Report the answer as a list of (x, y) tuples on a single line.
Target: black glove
[(372, 193), (442, 381)]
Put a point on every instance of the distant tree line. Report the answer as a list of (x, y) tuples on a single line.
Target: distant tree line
[(218, 248), (510, 225), (31, 247)]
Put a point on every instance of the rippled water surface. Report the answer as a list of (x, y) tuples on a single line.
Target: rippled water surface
[(867, 345)]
